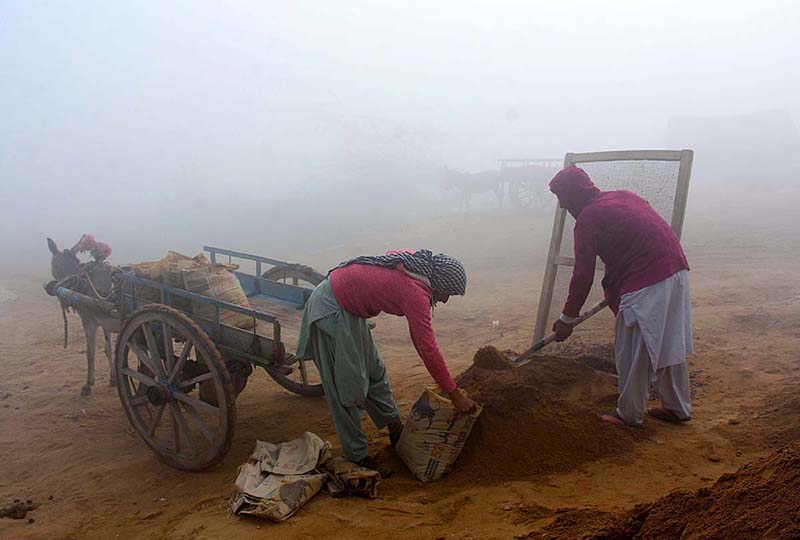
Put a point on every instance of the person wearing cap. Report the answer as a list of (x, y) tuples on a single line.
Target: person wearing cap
[(646, 285), (335, 334)]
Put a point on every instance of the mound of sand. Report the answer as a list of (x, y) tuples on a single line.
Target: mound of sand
[(758, 501), (781, 416), (538, 419)]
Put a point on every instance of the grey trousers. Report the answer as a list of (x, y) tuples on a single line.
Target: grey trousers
[(637, 377)]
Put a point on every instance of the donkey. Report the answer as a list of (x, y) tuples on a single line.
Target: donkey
[(471, 183), (92, 279)]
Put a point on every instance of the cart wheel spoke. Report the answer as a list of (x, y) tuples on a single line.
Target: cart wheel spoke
[(169, 349), (196, 403), (182, 428), (195, 380), (156, 420), (204, 428), (138, 401), (187, 347), (152, 348), (138, 376), (307, 383), (143, 357)]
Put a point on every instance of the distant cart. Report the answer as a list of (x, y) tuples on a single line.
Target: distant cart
[(178, 374), (525, 179)]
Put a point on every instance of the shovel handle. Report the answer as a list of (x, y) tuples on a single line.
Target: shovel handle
[(526, 357)]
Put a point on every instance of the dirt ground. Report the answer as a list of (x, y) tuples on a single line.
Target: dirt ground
[(90, 476)]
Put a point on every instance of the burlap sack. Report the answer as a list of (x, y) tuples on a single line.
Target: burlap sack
[(434, 435)]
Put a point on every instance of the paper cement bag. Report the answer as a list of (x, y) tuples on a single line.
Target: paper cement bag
[(279, 478), (434, 435)]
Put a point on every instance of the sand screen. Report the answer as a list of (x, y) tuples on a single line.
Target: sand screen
[(660, 177)]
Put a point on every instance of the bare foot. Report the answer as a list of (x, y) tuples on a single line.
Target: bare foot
[(612, 419)]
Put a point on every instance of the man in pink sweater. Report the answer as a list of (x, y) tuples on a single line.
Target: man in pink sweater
[(335, 333), (646, 285)]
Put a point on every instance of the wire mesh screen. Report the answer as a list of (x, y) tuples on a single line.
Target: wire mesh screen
[(655, 180)]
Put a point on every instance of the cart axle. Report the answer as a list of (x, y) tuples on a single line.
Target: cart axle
[(161, 394)]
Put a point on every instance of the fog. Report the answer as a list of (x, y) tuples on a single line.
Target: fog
[(283, 128)]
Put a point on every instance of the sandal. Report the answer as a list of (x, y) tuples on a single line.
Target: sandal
[(660, 413)]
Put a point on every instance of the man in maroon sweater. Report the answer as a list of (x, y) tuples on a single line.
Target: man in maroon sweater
[(646, 285)]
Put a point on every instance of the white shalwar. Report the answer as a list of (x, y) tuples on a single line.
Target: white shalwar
[(653, 339)]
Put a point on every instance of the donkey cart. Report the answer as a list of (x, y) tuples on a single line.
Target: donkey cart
[(179, 369)]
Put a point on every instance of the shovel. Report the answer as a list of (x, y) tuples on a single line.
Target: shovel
[(527, 356)]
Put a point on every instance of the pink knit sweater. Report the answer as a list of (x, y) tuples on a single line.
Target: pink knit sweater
[(365, 291)]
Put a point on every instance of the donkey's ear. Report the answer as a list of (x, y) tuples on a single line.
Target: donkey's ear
[(53, 247)]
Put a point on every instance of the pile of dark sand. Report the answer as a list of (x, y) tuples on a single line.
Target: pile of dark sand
[(759, 501), (538, 419)]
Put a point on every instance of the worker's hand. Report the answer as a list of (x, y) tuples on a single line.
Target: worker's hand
[(462, 402), (562, 330)]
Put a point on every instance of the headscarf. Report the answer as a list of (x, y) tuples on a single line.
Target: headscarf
[(574, 189), (446, 274)]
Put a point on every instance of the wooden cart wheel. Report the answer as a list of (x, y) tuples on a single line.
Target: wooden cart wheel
[(296, 273), (162, 358), (303, 379)]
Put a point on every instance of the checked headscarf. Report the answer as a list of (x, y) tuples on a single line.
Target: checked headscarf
[(445, 273)]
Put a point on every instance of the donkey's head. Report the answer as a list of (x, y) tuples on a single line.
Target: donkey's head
[(64, 263)]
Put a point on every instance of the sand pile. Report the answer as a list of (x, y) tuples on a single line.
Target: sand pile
[(538, 419), (760, 500), (781, 416)]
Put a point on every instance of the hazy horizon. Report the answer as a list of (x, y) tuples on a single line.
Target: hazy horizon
[(153, 124)]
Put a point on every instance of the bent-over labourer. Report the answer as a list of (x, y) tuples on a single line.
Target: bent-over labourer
[(336, 335), (646, 284)]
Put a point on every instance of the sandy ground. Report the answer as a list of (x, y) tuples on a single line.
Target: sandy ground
[(92, 477)]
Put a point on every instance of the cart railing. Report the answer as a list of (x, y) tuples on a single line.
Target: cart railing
[(225, 335), (254, 284), (258, 259)]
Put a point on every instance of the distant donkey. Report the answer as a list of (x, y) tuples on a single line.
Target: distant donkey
[(469, 184), (92, 279)]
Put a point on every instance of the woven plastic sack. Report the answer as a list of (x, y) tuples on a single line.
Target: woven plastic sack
[(215, 281), (169, 272), (434, 436)]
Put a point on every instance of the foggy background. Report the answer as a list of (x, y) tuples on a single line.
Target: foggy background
[(282, 127)]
